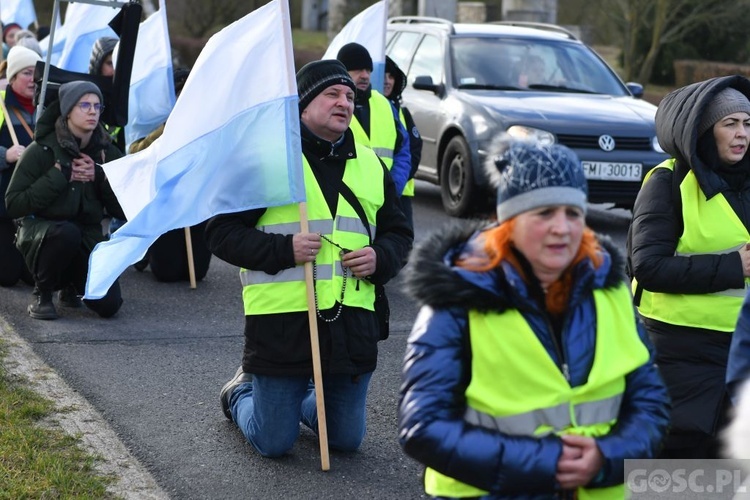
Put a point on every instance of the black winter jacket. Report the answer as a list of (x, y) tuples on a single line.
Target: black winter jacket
[(656, 226), (692, 360), (279, 344)]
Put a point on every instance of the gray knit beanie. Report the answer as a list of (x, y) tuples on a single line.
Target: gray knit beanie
[(530, 175), (724, 103), (70, 93), (101, 49), (314, 77)]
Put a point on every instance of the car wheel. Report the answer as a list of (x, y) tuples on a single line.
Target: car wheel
[(457, 179)]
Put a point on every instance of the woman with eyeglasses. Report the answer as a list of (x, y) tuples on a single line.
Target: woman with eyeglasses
[(59, 191), (16, 132)]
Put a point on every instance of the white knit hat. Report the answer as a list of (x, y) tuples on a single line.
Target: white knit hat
[(20, 58)]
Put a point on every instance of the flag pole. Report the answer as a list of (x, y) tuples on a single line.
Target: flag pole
[(309, 283), (315, 346), (191, 261), (11, 128)]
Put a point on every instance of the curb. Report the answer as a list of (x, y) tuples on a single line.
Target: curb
[(79, 419)]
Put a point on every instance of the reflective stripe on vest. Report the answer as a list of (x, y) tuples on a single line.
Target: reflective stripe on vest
[(711, 228), (285, 291), (548, 419), (516, 388), (383, 133)]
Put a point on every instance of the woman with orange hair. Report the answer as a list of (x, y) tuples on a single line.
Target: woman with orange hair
[(527, 374)]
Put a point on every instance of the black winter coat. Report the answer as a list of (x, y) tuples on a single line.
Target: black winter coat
[(692, 360), (279, 344)]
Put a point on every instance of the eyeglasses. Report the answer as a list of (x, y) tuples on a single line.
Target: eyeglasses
[(86, 106)]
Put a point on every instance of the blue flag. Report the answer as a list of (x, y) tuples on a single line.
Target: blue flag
[(231, 143)]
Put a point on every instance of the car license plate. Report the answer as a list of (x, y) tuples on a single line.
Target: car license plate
[(606, 171)]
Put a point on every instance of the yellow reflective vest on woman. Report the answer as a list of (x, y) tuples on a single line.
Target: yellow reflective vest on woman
[(285, 291), (710, 227), (517, 389)]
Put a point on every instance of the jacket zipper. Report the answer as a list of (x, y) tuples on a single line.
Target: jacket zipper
[(563, 365)]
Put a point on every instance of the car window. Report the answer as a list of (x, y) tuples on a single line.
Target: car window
[(401, 48), (481, 62), (507, 64), (428, 60)]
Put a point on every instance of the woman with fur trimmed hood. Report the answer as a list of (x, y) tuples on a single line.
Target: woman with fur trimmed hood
[(59, 191), (527, 374)]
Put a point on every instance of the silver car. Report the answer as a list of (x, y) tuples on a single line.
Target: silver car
[(467, 82)]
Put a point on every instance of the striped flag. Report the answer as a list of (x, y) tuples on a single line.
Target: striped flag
[(84, 24), (367, 29), (152, 93), (231, 143)]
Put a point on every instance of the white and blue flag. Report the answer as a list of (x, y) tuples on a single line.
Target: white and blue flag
[(21, 12), (367, 29), (84, 24), (152, 93), (231, 143)]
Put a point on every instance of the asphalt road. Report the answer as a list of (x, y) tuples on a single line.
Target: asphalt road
[(155, 370)]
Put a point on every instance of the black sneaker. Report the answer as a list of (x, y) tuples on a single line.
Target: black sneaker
[(68, 297), (226, 392), (43, 308)]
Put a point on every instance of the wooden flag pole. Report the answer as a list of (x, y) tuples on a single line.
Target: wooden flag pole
[(11, 128), (191, 261), (315, 346)]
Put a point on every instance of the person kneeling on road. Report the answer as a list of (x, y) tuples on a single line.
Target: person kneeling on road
[(272, 392), (59, 191)]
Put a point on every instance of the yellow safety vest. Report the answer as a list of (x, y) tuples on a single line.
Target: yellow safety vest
[(383, 133), (409, 188), (711, 227), (285, 291), (516, 388)]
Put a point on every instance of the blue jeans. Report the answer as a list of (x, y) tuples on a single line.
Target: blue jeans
[(269, 410)]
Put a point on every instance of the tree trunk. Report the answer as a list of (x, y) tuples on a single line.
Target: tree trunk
[(336, 17), (660, 15), (148, 7)]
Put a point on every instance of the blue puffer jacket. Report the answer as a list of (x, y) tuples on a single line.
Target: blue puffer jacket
[(436, 373)]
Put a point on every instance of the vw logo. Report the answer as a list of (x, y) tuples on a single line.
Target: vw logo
[(606, 142)]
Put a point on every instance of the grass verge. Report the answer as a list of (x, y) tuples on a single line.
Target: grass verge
[(35, 461)]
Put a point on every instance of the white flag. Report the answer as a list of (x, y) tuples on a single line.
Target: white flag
[(151, 84), (367, 29), (231, 143)]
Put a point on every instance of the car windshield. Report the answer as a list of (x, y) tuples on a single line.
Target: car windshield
[(514, 64)]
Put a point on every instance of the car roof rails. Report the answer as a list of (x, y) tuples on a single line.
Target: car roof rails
[(542, 26), (421, 20)]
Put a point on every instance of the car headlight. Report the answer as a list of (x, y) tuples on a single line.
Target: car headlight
[(531, 134), (655, 144)]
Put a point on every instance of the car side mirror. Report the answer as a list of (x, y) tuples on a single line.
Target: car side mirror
[(424, 82), (636, 89)]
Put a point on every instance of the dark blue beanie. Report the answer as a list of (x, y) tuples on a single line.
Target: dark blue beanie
[(530, 175)]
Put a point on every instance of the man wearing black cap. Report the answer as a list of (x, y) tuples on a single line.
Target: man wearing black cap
[(59, 191), (358, 238), (376, 122)]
